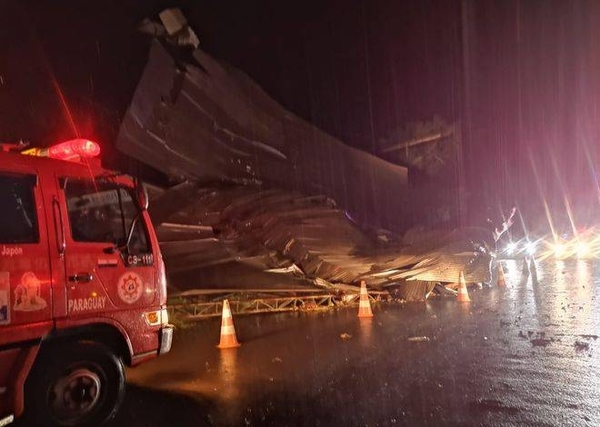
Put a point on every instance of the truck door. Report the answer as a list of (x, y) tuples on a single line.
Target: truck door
[(108, 260), (25, 274)]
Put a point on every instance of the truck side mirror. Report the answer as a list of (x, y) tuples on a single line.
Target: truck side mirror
[(141, 194)]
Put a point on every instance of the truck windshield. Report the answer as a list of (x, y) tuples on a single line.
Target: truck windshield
[(101, 211)]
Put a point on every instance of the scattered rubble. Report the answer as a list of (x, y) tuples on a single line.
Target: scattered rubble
[(541, 342)]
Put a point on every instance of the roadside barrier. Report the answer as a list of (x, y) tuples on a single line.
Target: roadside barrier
[(200, 304)]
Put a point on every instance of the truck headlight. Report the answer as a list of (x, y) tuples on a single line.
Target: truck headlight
[(157, 317)]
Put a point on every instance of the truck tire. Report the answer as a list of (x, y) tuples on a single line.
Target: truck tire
[(79, 384)]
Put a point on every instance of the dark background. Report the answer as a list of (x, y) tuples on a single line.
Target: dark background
[(521, 77)]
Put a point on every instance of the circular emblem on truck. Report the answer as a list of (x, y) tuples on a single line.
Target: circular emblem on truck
[(130, 287)]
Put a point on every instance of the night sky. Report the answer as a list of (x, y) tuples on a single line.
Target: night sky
[(523, 77)]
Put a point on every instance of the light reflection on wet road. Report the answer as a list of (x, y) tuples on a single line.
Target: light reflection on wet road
[(521, 355)]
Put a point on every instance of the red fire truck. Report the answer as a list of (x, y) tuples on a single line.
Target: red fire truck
[(82, 286)]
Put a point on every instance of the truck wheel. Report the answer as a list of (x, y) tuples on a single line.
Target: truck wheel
[(81, 384)]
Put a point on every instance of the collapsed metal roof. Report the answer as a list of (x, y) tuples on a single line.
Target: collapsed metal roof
[(201, 120), (266, 198)]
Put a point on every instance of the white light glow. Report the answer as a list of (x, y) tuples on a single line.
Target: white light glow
[(559, 250), (582, 249), (511, 248)]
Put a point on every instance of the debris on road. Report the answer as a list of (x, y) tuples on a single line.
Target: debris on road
[(345, 336), (419, 339), (541, 342), (489, 405)]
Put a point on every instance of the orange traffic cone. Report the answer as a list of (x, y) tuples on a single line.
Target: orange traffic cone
[(228, 338), (525, 270), (501, 278), (533, 270), (364, 306), (463, 294)]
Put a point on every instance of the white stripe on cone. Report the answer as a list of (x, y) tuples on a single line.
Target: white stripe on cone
[(364, 305), (227, 330)]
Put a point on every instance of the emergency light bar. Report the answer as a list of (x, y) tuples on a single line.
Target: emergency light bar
[(73, 150)]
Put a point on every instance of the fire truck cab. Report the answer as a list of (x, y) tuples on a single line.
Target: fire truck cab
[(82, 286)]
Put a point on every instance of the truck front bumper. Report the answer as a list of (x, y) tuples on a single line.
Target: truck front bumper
[(165, 339)]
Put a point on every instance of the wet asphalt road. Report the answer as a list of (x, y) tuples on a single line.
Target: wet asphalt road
[(522, 355)]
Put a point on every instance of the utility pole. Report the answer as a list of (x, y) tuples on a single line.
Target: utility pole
[(466, 124)]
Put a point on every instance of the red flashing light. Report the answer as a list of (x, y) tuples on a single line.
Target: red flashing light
[(74, 149)]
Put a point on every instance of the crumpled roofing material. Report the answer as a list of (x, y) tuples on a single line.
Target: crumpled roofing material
[(304, 240)]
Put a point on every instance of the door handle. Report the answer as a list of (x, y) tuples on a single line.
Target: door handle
[(60, 233), (81, 278)]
